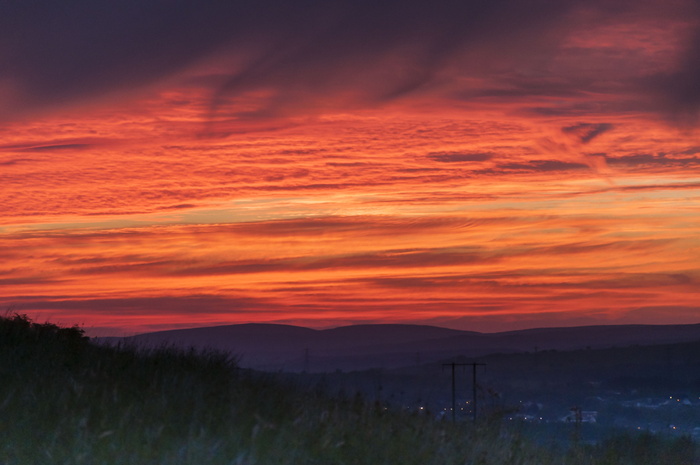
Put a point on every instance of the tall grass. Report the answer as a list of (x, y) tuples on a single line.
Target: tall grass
[(64, 400)]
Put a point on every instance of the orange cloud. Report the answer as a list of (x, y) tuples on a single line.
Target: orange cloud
[(476, 177)]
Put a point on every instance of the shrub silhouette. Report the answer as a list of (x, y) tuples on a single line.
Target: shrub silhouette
[(20, 329)]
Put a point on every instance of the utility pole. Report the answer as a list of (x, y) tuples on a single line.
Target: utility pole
[(474, 365), (454, 403)]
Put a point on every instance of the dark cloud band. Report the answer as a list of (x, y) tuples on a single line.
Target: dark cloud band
[(53, 53)]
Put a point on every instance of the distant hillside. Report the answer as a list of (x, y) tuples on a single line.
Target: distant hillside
[(292, 348)]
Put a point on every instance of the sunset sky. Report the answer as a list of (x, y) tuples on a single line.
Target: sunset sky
[(475, 164)]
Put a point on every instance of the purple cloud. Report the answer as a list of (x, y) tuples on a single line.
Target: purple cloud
[(586, 132), (309, 50), (460, 157)]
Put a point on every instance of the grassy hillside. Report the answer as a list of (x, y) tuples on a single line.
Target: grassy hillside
[(64, 400)]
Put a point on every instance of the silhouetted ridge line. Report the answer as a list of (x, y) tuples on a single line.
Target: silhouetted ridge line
[(294, 348)]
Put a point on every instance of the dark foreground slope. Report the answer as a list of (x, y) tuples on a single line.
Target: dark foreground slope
[(63, 400), (66, 401), (292, 348)]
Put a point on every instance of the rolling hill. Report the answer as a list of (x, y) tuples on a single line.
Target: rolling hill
[(276, 347)]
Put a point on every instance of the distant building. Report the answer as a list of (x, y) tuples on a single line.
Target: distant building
[(582, 416)]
